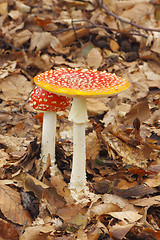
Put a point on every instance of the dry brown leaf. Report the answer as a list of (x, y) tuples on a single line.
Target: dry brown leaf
[(153, 182), (96, 230), (130, 155), (138, 84), (16, 87), (11, 207), (22, 7), (53, 199), (138, 13), (146, 202), (62, 188), (156, 43), (119, 230), (81, 235), (103, 208), (80, 219), (95, 107), (130, 216), (34, 185), (110, 117), (3, 157), (114, 46), (155, 117), (137, 191), (152, 77), (41, 40), (140, 110), (122, 203), (94, 58), (21, 37), (43, 62), (59, 60), (33, 180), (7, 231), (7, 68), (125, 4), (122, 109), (92, 150), (15, 14), (3, 8), (13, 143), (67, 213), (37, 232)]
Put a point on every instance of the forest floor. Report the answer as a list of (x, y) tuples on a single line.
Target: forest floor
[(122, 135)]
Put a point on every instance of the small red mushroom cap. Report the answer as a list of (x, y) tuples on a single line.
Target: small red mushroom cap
[(43, 100), (81, 82)]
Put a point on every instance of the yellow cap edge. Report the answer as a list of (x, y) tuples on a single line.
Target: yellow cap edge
[(79, 93)]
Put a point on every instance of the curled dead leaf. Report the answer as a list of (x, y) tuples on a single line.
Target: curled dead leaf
[(103, 208)]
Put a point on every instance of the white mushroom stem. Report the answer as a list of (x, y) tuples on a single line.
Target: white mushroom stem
[(78, 115), (48, 140)]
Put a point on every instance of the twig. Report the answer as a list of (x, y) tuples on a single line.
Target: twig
[(12, 46), (131, 31), (75, 33), (109, 12), (93, 25)]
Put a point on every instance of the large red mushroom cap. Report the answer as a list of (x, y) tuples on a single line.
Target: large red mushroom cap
[(81, 82), (43, 100)]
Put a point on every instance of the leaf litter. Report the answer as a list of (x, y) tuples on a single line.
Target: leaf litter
[(122, 135)]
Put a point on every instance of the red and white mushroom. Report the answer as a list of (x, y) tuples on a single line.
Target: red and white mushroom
[(80, 84), (49, 103)]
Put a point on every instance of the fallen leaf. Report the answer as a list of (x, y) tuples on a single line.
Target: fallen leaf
[(22, 7), (103, 208), (153, 182), (129, 216), (37, 232), (7, 231), (94, 58), (62, 188), (69, 212), (114, 46), (96, 231), (53, 199), (129, 153), (3, 8), (13, 143), (11, 207), (156, 44), (146, 202), (92, 150), (120, 230), (15, 14), (21, 37), (3, 157), (16, 87), (140, 110), (152, 77), (7, 68), (95, 107), (40, 40)]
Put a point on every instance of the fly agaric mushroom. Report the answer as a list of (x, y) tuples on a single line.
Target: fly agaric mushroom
[(49, 103), (80, 84)]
